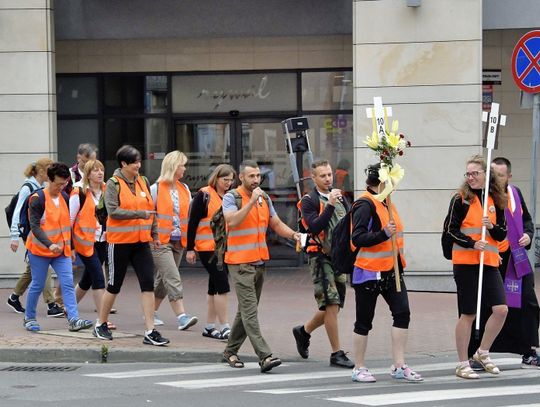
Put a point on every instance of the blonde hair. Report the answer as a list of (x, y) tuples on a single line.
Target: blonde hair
[(222, 170), (170, 164), (33, 168), (87, 169), (495, 189)]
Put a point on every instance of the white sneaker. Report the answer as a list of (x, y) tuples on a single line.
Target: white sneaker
[(157, 321)]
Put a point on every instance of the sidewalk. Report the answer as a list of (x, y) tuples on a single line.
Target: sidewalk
[(287, 300)]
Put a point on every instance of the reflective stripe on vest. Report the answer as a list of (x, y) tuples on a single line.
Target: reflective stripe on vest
[(165, 211), (246, 242), (131, 230), (84, 228), (472, 227), (204, 238), (380, 257), (55, 224)]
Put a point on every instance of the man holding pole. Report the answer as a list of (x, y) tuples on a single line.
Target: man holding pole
[(474, 252)]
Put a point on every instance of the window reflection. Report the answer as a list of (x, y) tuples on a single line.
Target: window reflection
[(327, 90)]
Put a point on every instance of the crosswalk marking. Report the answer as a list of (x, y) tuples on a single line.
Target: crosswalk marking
[(210, 368), (510, 374), (437, 395), (275, 378)]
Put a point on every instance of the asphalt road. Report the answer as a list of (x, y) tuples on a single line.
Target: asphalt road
[(295, 384)]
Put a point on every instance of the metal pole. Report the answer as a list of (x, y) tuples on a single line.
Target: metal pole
[(534, 165)]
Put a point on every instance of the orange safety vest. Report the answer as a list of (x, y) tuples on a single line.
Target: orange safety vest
[(131, 230), (165, 211), (312, 246), (340, 177), (56, 226), (84, 228), (472, 227), (381, 257), (204, 238), (246, 242)]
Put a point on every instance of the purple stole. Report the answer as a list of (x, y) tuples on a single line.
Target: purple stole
[(518, 263)]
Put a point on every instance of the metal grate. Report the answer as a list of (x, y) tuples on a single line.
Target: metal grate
[(39, 369)]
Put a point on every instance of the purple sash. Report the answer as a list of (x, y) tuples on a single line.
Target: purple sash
[(518, 263)]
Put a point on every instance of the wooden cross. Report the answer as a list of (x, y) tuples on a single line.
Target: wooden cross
[(378, 114)]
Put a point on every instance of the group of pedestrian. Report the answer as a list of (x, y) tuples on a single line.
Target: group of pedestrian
[(126, 221)]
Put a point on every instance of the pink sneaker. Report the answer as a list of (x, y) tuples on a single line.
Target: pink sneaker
[(405, 372), (363, 375)]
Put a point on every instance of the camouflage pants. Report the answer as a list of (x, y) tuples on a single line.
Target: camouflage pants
[(329, 289)]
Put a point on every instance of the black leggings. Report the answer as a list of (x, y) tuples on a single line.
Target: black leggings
[(218, 280), (136, 254), (366, 299), (93, 268)]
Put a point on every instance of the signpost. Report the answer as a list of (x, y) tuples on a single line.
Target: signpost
[(526, 73)]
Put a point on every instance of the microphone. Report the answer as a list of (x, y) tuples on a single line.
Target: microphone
[(339, 198)]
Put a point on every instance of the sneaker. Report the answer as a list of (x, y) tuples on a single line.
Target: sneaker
[(185, 321), (476, 366), (31, 325), (76, 324), (15, 305), (530, 362), (55, 311), (302, 341), (340, 359), (406, 373), (102, 332), (157, 321), (155, 338), (362, 374)]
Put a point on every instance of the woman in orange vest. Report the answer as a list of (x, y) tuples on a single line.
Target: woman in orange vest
[(172, 199), (49, 244), (374, 275), (465, 228), (200, 239), (88, 233), (130, 227)]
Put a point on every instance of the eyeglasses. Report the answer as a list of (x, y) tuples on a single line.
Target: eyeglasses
[(473, 174)]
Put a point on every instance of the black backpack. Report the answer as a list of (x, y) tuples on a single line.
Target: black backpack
[(446, 240), (10, 209), (24, 219), (342, 252)]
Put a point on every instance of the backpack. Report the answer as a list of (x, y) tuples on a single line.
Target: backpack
[(24, 219), (342, 252), (446, 240), (10, 209), (219, 230)]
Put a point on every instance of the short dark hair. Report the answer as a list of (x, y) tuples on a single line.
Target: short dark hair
[(372, 172), (248, 163), (59, 170), (505, 161), (319, 163), (128, 154)]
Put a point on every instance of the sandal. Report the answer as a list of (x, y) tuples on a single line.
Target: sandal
[(486, 362), (225, 332), (269, 363), (466, 372), (211, 333), (232, 359)]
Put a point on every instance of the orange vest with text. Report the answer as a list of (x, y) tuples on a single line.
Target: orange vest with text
[(204, 239), (165, 211), (381, 257), (131, 230), (84, 228), (246, 242), (472, 227), (55, 224)]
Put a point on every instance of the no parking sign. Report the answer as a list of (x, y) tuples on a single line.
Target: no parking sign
[(525, 62)]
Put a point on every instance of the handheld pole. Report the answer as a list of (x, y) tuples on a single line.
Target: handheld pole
[(492, 127), (394, 246)]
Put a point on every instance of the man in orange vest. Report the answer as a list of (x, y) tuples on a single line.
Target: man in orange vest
[(321, 211), (245, 257), (374, 274)]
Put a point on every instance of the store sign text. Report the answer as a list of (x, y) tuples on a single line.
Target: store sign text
[(254, 91)]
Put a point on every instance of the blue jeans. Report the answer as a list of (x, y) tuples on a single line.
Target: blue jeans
[(64, 270)]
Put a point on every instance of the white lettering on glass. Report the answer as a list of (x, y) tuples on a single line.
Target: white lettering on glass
[(257, 92)]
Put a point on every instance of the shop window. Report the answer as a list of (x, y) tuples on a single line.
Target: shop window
[(327, 90), (124, 94), (71, 133), (119, 132), (76, 95)]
